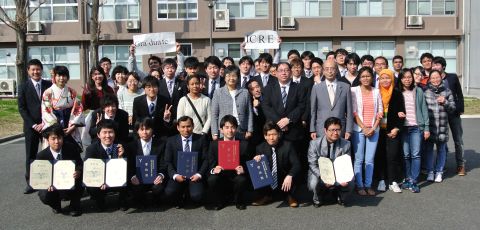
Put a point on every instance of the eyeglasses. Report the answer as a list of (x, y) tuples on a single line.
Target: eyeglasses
[(334, 130), (283, 70), (329, 68)]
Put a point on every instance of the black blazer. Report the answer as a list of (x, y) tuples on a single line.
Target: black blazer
[(29, 105), (245, 154), (258, 122), (121, 119), (96, 151), (69, 152), (134, 149), (179, 90), (395, 106), (306, 84), (271, 80), (141, 111), (273, 109), (287, 160), (174, 145), (207, 85)]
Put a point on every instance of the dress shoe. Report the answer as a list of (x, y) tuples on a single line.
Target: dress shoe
[(100, 206), (241, 206), (28, 190), (262, 201), (317, 204), (75, 213), (292, 202), (361, 192), (56, 210), (461, 171), (218, 207), (370, 192), (340, 201), (180, 205)]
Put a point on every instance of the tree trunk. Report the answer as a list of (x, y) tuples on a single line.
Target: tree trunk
[(21, 58), (94, 33)]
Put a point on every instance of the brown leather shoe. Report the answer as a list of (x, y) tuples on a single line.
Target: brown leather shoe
[(370, 192), (292, 202), (461, 171), (262, 201), (361, 192)]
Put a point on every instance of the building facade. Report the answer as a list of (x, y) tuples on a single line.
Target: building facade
[(59, 29)]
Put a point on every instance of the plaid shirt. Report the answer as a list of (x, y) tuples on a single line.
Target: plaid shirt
[(438, 114)]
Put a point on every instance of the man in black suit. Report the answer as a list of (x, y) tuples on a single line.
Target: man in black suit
[(220, 180), (110, 110), (245, 65), (171, 87), (106, 148), (185, 141), (212, 67), (255, 91), (29, 105), (284, 165), (146, 145), (57, 150), (264, 62), (154, 106)]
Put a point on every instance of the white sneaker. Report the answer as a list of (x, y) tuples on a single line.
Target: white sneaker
[(438, 177), (395, 188), (430, 177), (381, 186)]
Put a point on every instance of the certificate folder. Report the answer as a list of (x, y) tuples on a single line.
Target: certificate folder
[(59, 174), (146, 169), (229, 154), (341, 170), (187, 163), (260, 173), (113, 173)]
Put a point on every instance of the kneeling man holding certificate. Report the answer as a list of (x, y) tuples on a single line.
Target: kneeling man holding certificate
[(227, 164), (187, 161), (57, 152), (324, 177), (108, 176)]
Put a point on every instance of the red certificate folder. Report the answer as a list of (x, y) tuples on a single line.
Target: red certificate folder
[(229, 154)]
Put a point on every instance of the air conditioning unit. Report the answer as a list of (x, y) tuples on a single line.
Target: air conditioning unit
[(287, 22), (414, 21), (325, 49), (34, 27), (222, 19), (7, 86), (412, 50), (133, 25)]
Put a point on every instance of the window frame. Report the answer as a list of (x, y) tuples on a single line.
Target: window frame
[(343, 8), (8, 61), (415, 43), (431, 8), (115, 4), (317, 53), (345, 44), (158, 2), (279, 9), (51, 7), (74, 75), (241, 8)]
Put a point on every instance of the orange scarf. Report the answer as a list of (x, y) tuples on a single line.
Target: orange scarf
[(386, 92)]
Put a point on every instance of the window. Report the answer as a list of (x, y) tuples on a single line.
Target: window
[(446, 49), (177, 9), (185, 48), (305, 8), (9, 8), (431, 7), (55, 10), (319, 49), (7, 63), (119, 10), (368, 8), (51, 56), (244, 8), (118, 54), (374, 48)]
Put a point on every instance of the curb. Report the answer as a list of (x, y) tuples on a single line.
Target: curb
[(471, 116), (9, 138)]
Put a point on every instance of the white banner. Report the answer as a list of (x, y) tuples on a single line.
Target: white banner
[(154, 43), (262, 39)]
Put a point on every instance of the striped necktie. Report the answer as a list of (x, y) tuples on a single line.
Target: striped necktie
[(274, 169), (284, 96)]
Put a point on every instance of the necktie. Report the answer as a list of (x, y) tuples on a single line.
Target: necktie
[(331, 93), (308, 73), (187, 146), (274, 169), (39, 91), (110, 152), (212, 90), (151, 108), (170, 87), (59, 157), (146, 150), (284, 96), (244, 83), (264, 80)]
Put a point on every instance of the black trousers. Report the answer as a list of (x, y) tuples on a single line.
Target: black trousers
[(175, 191), (53, 199), (139, 191), (32, 140), (276, 193), (99, 195), (221, 184), (388, 158)]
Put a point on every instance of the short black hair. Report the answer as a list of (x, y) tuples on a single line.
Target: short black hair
[(35, 62), (296, 61), (308, 54), (265, 57), (382, 57), (191, 62), (155, 58), (332, 121), (190, 77), (401, 75), (183, 119), (291, 52), (352, 57), (440, 60), (62, 71), (270, 125), (245, 59), (363, 69), (214, 60), (341, 51), (119, 69), (107, 124), (330, 53), (109, 100), (232, 69), (55, 129), (431, 72), (105, 59), (150, 81), (228, 58), (284, 63), (230, 119), (317, 60), (426, 55), (169, 61), (134, 75), (422, 70), (367, 57), (146, 122), (397, 57)]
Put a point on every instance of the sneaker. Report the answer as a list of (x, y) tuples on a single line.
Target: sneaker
[(461, 171), (381, 186), (395, 188), (414, 188), (430, 177), (406, 185), (438, 177)]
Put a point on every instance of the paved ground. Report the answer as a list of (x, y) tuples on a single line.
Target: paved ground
[(453, 204)]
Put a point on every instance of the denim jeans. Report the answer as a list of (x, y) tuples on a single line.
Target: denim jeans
[(440, 159), (455, 123), (364, 149), (411, 140)]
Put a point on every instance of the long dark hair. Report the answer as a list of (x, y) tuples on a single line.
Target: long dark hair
[(91, 84), (401, 75)]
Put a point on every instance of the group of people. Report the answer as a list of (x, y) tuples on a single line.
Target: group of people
[(291, 113)]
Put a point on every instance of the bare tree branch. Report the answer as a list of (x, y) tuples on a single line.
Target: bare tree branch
[(3, 16), (34, 9)]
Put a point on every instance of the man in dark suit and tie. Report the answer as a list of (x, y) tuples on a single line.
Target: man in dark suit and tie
[(57, 150), (220, 180), (171, 87), (106, 148), (245, 64), (264, 62), (110, 110), (284, 165), (146, 145), (212, 67), (29, 105), (154, 106), (185, 141)]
